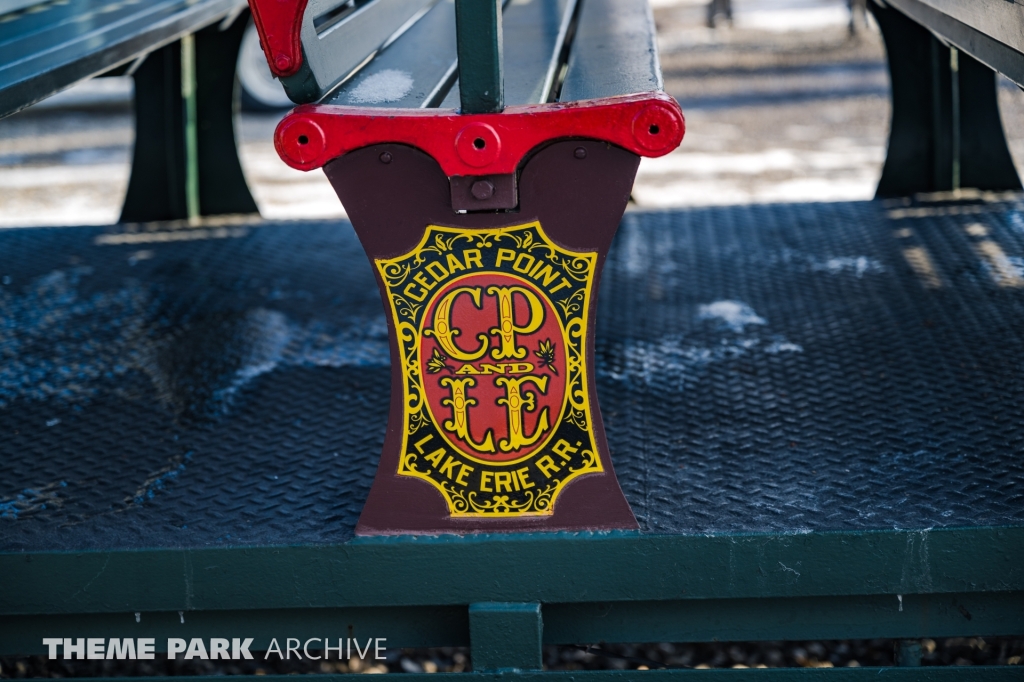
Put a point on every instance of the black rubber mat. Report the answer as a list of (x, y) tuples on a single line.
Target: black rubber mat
[(844, 366)]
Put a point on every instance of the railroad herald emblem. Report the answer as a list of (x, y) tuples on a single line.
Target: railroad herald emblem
[(491, 328)]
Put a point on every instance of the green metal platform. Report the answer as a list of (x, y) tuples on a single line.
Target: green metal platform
[(814, 412)]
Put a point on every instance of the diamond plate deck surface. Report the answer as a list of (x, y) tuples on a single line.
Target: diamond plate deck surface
[(763, 368)]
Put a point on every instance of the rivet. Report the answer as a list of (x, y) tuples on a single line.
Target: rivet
[(482, 189), (580, 153), (385, 157)]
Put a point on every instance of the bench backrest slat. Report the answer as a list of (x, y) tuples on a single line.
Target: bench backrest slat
[(614, 51), (416, 71), (339, 48), (8, 6), (57, 26), (46, 18), (61, 49), (534, 34)]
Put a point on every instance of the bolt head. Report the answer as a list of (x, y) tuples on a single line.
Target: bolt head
[(283, 62), (385, 157), (482, 189), (580, 153)]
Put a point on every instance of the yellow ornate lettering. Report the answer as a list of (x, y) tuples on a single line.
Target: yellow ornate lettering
[(445, 333), (547, 466), (507, 328), (449, 467), (460, 403), (435, 457), (503, 482), (453, 264), (420, 292), (518, 401)]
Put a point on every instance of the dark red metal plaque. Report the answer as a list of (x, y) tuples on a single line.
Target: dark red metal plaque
[(494, 422)]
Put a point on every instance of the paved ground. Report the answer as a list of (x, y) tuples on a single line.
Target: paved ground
[(782, 106), (771, 115)]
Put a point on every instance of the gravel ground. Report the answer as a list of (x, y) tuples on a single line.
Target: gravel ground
[(826, 654)]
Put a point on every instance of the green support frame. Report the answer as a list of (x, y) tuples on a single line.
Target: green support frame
[(555, 588), (506, 636)]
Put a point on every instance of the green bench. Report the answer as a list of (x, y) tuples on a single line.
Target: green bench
[(181, 56), (946, 131)]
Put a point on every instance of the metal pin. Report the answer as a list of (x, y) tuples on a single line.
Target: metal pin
[(482, 189)]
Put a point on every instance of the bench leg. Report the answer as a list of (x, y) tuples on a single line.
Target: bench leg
[(185, 163), (505, 637), (908, 653), (494, 424), (945, 133)]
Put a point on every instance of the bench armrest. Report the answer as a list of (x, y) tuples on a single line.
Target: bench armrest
[(649, 124)]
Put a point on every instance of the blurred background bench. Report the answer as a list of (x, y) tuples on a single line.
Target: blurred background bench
[(943, 57), (182, 57)]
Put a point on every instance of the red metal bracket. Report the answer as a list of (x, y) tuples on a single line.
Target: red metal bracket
[(279, 23), (649, 124)]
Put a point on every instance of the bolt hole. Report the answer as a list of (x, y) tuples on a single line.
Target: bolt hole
[(654, 129), (303, 139), (479, 143)]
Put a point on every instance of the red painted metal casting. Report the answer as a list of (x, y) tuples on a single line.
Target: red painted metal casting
[(279, 23), (649, 124)]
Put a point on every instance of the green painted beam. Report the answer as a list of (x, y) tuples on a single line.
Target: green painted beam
[(801, 618), (478, 33), (506, 636), (549, 568), (724, 620)]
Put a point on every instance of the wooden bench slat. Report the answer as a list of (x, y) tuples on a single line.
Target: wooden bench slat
[(37, 32), (422, 62), (335, 53), (533, 34), (64, 48), (53, 33), (44, 17), (613, 52)]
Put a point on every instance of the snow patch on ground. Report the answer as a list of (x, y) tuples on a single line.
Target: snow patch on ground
[(735, 314), (858, 265), (678, 358)]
